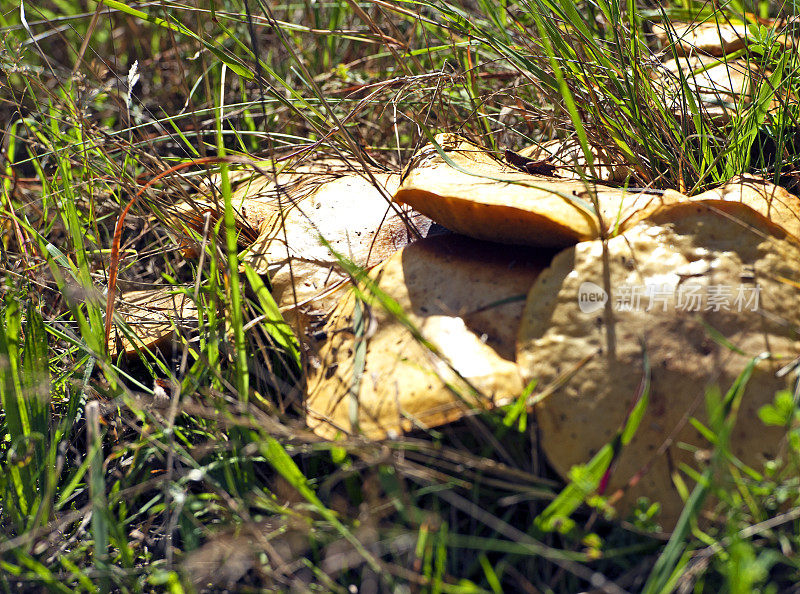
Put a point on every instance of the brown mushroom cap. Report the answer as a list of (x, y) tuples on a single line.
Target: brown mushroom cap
[(481, 197), (535, 210), (715, 38), (255, 190), (598, 353), (289, 214), (720, 87), (295, 209), (714, 79), (772, 202), (466, 298)]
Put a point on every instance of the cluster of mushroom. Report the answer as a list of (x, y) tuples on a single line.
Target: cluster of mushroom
[(590, 291), (464, 321), (696, 286)]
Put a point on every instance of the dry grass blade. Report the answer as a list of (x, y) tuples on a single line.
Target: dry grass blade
[(113, 266)]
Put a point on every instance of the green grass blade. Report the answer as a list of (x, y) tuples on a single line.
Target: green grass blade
[(273, 321), (231, 245), (97, 488)]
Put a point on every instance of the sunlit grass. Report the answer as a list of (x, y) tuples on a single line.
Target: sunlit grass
[(193, 466)]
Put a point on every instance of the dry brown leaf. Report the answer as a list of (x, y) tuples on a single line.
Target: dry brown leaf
[(486, 199), (465, 297), (568, 156), (153, 316), (598, 354)]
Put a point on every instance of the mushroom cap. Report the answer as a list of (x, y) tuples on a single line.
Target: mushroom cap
[(596, 350), (716, 39), (771, 202), (323, 198), (351, 214), (714, 80), (542, 211), (720, 87), (463, 296), (153, 316), (481, 197), (287, 214), (709, 37), (254, 191)]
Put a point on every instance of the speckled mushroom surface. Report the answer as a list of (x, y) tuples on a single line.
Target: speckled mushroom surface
[(678, 287), (350, 213), (151, 316)]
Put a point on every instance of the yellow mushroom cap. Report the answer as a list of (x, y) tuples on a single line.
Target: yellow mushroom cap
[(152, 316), (707, 37), (291, 211), (479, 196), (463, 296), (673, 283), (771, 202), (350, 213)]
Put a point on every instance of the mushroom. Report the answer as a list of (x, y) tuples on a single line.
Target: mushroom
[(285, 223), (710, 37), (719, 86), (152, 316), (467, 190), (700, 289), (290, 213), (439, 328), (716, 38), (350, 213), (772, 202), (452, 349)]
